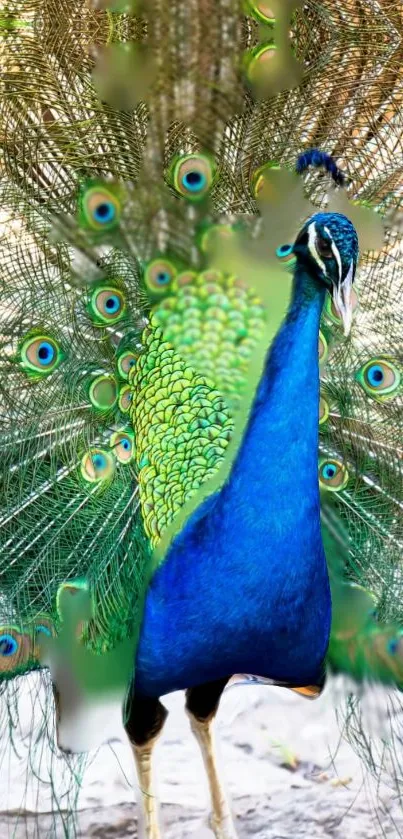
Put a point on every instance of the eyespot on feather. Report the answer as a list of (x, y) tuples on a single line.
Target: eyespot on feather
[(126, 361), (107, 305), (285, 253), (100, 206), (125, 399), (15, 649), (380, 378), (192, 175), (122, 443), (97, 465), (333, 475), (159, 275), (40, 355)]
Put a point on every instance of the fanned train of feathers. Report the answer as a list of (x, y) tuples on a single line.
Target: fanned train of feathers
[(115, 309)]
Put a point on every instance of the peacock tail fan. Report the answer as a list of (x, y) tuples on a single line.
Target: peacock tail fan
[(148, 209)]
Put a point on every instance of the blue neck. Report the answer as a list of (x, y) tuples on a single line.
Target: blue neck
[(234, 592), (280, 446)]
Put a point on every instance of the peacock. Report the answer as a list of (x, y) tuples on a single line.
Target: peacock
[(201, 355)]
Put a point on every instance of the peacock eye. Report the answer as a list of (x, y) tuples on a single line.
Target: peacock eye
[(380, 378), (159, 275), (97, 465), (192, 175), (333, 475), (8, 645), (285, 253), (14, 648), (126, 361), (122, 443), (107, 305), (125, 399), (323, 247), (40, 355), (103, 392), (100, 207)]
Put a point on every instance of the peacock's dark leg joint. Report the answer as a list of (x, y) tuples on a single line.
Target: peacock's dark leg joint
[(145, 720), (202, 701)]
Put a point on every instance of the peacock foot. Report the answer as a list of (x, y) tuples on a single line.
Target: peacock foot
[(152, 831), (148, 826), (223, 828)]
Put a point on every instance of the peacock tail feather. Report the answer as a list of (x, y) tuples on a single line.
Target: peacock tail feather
[(148, 209)]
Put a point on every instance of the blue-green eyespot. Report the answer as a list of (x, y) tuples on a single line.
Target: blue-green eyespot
[(100, 206), (126, 361), (15, 648), (192, 175), (380, 378), (333, 475), (97, 465), (40, 355), (285, 253), (125, 399), (122, 443), (107, 305), (159, 275)]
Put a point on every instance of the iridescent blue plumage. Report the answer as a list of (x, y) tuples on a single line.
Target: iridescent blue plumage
[(260, 536)]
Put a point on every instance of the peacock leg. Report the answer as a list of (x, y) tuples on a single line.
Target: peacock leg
[(201, 705), (143, 726)]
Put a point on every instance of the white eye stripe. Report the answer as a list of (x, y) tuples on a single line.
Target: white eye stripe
[(313, 249), (335, 252)]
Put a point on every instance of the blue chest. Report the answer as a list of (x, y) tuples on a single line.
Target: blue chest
[(210, 615), (244, 586)]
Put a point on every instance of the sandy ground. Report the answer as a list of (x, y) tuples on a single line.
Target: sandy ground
[(278, 752)]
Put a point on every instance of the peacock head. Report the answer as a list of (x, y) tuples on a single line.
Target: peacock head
[(328, 246)]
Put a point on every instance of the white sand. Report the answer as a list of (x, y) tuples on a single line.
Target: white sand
[(277, 753)]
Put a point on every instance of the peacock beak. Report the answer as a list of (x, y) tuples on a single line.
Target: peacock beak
[(342, 298)]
